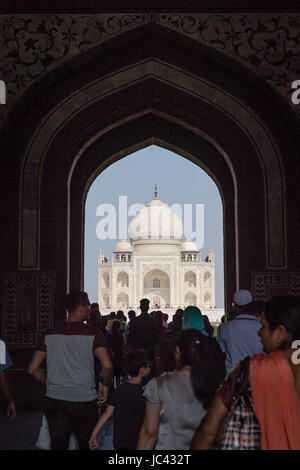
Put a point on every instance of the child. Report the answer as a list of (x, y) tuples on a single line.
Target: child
[(127, 405)]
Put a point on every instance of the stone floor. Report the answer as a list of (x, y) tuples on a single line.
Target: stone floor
[(22, 432)]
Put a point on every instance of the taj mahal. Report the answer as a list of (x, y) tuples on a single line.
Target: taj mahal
[(157, 264)]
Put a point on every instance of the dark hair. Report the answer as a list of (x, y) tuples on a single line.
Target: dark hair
[(158, 317), (177, 323), (208, 327), (131, 314), (112, 315), (179, 311), (284, 311), (76, 298), (116, 326), (206, 359), (133, 361), (144, 304), (95, 305), (158, 324), (248, 308), (120, 315)]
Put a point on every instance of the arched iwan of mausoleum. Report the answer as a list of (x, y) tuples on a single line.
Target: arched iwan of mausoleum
[(156, 285)]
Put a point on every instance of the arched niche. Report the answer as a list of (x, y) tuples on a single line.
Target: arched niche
[(207, 279), (190, 299), (122, 279), (190, 279), (105, 279)]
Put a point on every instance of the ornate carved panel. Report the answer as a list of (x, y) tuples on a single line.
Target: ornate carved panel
[(266, 285), (267, 43), (28, 302)]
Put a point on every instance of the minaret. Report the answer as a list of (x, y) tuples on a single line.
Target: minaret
[(211, 255), (101, 256)]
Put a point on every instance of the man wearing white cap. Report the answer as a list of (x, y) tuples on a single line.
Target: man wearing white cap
[(238, 338)]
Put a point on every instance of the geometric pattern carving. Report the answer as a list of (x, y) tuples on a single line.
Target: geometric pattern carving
[(266, 43), (25, 318), (266, 285)]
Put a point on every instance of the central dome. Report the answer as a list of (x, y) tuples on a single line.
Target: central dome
[(156, 221)]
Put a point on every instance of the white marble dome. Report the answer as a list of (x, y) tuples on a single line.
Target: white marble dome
[(155, 221), (189, 246), (123, 246)]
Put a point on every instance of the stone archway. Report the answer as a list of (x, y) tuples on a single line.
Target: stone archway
[(189, 103)]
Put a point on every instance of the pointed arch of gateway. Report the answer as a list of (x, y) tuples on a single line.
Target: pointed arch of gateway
[(190, 103)]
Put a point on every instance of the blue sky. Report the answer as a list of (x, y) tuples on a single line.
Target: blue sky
[(179, 181)]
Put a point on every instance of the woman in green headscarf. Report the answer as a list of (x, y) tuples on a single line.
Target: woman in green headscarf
[(193, 318)]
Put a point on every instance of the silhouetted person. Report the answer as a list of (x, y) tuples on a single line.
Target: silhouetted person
[(69, 348), (117, 347), (142, 331)]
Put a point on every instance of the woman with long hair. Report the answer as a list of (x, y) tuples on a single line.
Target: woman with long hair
[(177, 401), (272, 384)]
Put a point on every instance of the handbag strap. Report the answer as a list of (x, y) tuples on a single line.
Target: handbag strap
[(242, 384)]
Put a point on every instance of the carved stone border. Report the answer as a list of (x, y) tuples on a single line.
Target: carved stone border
[(12, 284), (266, 43), (264, 282)]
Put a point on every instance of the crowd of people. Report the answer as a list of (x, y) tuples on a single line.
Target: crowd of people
[(164, 383)]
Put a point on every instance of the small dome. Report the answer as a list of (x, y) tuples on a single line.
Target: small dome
[(188, 245), (123, 245)]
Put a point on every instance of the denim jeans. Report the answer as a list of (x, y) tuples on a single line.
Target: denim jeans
[(66, 416)]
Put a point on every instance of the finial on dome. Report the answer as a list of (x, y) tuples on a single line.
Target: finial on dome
[(155, 191)]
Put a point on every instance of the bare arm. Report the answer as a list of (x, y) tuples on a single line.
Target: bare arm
[(107, 367), (34, 366), (150, 427), (107, 372), (102, 420), (206, 434), (11, 407)]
